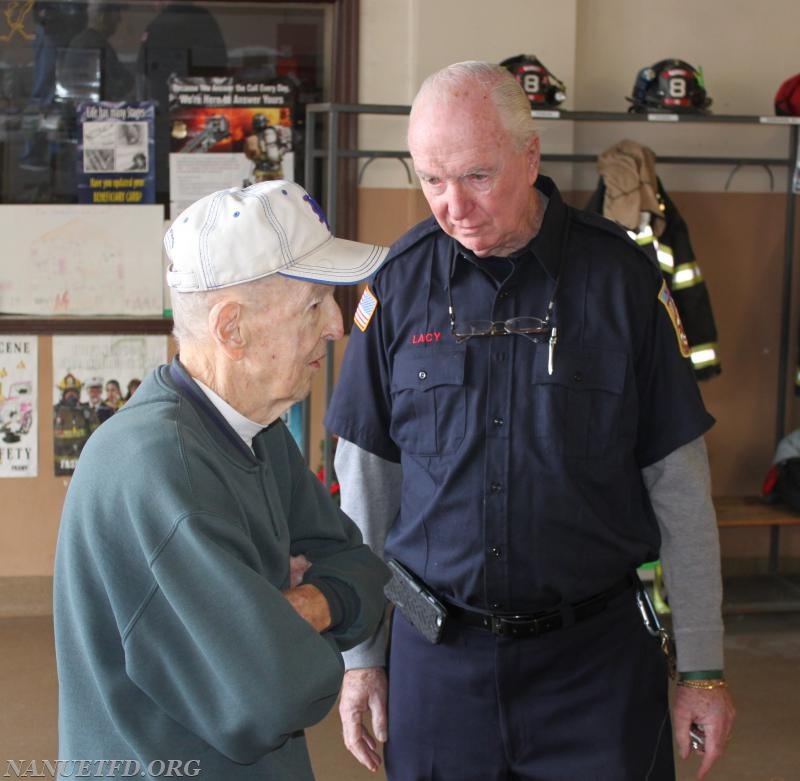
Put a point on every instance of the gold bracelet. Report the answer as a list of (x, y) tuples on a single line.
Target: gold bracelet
[(708, 684)]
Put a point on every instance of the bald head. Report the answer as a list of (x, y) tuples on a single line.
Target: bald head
[(486, 89)]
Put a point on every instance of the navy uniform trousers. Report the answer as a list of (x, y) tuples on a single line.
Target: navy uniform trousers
[(587, 702)]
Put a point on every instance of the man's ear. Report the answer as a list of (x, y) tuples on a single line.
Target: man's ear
[(225, 325), (533, 159)]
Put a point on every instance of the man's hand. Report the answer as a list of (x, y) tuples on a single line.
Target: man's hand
[(711, 710), (297, 568), (310, 604), (364, 691)]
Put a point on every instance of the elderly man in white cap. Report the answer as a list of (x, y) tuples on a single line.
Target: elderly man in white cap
[(205, 583)]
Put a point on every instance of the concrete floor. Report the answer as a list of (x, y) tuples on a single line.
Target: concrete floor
[(763, 668)]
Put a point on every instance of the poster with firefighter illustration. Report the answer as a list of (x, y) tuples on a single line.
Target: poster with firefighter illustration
[(19, 368), (227, 132), (93, 378)]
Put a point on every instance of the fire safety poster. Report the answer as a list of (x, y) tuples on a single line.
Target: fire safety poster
[(19, 368), (94, 377), (226, 132)]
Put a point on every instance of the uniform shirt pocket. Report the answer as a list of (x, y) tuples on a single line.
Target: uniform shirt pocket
[(578, 408), (428, 401)]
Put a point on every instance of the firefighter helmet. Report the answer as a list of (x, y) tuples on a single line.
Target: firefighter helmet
[(260, 123), (69, 382), (670, 85), (541, 86), (787, 98)]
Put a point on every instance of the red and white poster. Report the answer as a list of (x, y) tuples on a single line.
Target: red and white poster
[(227, 132)]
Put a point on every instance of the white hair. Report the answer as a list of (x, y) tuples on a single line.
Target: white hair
[(505, 92), (190, 310)]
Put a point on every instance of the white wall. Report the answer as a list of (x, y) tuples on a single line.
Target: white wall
[(746, 49), (596, 47), (403, 41)]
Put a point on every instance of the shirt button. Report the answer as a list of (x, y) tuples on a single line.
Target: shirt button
[(423, 375), (496, 488), (496, 552), (498, 421), (577, 377), (496, 605)]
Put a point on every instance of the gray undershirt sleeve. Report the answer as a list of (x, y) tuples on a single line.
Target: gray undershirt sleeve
[(680, 492), (370, 495)]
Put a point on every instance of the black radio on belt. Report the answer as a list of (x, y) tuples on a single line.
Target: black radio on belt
[(418, 604)]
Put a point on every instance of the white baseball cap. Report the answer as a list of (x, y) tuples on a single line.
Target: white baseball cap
[(241, 234)]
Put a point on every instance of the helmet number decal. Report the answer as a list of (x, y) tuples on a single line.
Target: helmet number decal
[(531, 82), (677, 87)]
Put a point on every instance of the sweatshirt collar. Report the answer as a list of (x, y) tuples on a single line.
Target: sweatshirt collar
[(204, 404), (244, 427)]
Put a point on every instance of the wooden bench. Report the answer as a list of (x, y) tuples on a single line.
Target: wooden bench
[(742, 511)]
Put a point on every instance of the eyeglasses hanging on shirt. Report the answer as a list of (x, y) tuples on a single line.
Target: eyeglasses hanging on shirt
[(524, 326)]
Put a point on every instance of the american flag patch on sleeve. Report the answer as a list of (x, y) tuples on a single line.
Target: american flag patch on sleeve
[(365, 309)]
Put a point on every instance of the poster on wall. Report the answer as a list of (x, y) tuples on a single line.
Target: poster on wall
[(19, 368), (116, 153), (80, 259), (227, 132), (93, 377)]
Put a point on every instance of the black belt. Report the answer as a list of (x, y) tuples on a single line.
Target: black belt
[(534, 624)]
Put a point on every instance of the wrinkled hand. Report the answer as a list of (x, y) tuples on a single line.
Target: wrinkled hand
[(364, 691), (297, 568), (310, 603), (713, 712)]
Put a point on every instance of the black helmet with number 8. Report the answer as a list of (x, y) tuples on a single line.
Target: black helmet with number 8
[(541, 86), (670, 85)]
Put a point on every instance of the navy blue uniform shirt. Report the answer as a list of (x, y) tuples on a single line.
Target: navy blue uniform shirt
[(521, 488)]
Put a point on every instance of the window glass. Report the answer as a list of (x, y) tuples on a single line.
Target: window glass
[(249, 68)]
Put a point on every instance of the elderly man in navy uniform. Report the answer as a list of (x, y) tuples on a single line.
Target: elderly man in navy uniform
[(520, 428)]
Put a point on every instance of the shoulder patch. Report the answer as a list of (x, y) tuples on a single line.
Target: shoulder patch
[(666, 299), (365, 309)]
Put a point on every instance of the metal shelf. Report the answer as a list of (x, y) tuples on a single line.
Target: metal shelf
[(331, 154)]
